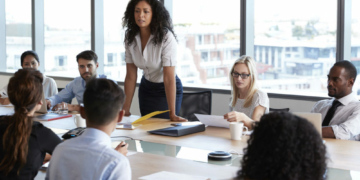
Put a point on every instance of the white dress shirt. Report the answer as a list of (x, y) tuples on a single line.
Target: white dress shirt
[(260, 99), (346, 120), (154, 57), (88, 156)]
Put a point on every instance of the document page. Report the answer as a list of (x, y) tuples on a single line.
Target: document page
[(165, 175), (213, 120)]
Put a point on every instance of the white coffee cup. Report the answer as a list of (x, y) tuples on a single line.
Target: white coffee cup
[(236, 130), (79, 121)]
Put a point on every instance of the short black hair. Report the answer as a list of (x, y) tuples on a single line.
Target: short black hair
[(30, 52), (349, 67), (88, 55), (284, 146), (103, 99)]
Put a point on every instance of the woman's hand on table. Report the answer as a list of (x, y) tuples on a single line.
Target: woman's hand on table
[(239, 117), (177, 118)]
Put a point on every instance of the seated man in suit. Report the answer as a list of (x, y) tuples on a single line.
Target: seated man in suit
[(87, 64), (90, 155), (341, 114)]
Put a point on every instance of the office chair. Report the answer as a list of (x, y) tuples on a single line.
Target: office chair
[(283, 109), (60, 89), (195, 102)]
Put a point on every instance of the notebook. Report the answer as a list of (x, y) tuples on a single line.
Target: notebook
[(51, 116), (179, 130)]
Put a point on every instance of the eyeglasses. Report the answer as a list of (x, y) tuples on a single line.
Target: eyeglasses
[(243, 76)]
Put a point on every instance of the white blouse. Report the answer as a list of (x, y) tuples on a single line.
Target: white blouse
[(154, 57), (49, 87), (260, 98)]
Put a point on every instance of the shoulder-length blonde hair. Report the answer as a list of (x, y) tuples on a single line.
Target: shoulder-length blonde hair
[(251, 65)]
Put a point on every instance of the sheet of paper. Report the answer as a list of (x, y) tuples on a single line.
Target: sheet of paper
[(213, 120), (6, 110), (131, 153), (149, 116), (129, 120), (45, 166), (59, 131), (165, 175)]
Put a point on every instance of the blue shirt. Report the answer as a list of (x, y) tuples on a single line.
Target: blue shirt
[(75, 88), (88, 156)]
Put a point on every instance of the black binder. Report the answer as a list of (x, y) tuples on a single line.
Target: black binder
[(179, 130)]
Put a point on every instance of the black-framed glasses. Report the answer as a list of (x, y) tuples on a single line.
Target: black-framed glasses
[(243, 76)]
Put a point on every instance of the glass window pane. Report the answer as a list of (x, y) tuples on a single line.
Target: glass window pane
[(208, 40), (114, 34), (355, 41), (18, 31), (300, 40), (67, 33)]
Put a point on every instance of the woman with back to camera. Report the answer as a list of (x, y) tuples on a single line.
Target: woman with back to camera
[(248, 103), (283, 146), (150, 44), (23, 142)]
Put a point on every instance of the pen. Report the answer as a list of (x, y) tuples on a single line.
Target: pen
[(123, 145)]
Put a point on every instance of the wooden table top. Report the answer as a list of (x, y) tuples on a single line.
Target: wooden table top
[(343, 154)]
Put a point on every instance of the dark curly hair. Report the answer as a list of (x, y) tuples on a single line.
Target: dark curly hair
[(160, 23), (283, 146)]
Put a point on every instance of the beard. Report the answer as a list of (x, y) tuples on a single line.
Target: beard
[(86, 76)]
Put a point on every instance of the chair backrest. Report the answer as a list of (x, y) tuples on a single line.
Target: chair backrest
[(60, 89), (283, 109), (195, 102)]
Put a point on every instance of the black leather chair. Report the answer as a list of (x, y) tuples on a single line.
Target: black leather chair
[(195, 102), (60, 89), (283, 110)]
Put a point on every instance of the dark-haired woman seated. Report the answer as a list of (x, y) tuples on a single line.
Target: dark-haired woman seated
[(286, 147), (23, 142)]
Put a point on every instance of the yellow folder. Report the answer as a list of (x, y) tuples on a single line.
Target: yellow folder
[(149, 116)]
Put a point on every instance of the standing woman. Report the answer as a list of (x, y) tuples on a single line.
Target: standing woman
[(248, 103), (23, 142), (150, 44)]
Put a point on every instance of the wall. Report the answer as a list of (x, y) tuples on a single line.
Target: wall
[(220, 101)]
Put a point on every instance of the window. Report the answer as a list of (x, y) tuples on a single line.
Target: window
[(299, 39), (18, 31), (111, 59), (207, 36), (67, 32), (204, 56), (60, 63), (114, 36)]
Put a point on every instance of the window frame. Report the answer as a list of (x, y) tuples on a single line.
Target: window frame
[(343, 36)]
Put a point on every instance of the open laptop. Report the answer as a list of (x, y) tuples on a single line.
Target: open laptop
[(313, 118), (43, 109)]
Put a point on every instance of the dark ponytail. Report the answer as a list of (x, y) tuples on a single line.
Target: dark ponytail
[(25, 92)]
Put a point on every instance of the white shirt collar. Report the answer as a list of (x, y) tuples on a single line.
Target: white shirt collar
[(98, 135), (348, 99)]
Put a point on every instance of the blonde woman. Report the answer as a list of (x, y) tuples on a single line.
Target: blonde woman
[(248, 103)]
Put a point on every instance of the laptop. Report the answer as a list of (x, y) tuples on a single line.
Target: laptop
[(43, 109), (313, 118)]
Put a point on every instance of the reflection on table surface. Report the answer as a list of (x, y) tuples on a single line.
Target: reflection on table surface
[(199, 155)]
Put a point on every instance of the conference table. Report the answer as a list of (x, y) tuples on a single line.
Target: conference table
[(187, 155)]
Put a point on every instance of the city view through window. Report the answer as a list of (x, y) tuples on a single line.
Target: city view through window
[(294, 47)]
